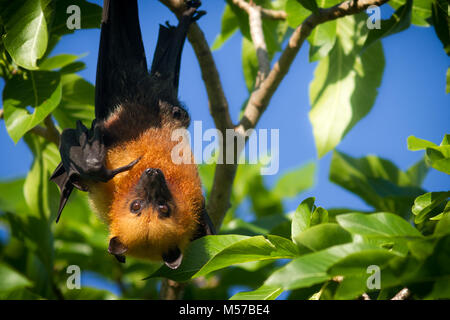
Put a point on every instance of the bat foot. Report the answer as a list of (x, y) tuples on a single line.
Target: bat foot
[(193, 3), (198, 14)]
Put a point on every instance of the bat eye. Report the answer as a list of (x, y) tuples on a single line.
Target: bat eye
[(163, 210), (136, 206), (176, 112)]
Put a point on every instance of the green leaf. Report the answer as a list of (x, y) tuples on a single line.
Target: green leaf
[(212, 253), (322, 236), (421, 11), (323, 36), (293, 182), (198, 253), (296, 13), (399, 21), (380, 224), (437, 157), (377, 181), (441, 289), (91, 15), (354, 270), (322, 40), (345, 84), (443, 226), (77, 102), (311, 268), (249, 63), (11, 196), (262, 293), (356, 264), (242, 19), (425, 203), (229, 27), (311, 5), (418, 172), (415, 144), (11, 280), (302, 217), (440, 18), (57, 62), (26, 33), (42, 199), (87, 293), (320, 215), (254, 249), (41, 90)]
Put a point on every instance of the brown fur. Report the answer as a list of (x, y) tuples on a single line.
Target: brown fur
[(146, 235)]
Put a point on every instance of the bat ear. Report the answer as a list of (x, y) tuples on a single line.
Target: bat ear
[(207, 223), (173, 258), (117, 248), (205, 226)]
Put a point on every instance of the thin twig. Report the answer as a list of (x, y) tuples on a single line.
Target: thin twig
[(265, 13), (365, 296), (403, 294), (257, 34)]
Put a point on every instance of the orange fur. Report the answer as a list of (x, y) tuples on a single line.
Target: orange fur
[(146, 235)]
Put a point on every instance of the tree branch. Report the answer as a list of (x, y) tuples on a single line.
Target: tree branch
[(49, 132)]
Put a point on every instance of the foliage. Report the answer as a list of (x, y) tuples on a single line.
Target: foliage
[(312, 253)]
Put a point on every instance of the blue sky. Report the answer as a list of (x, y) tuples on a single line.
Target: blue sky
[(411, 101)]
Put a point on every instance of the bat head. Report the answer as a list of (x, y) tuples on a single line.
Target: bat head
[(154, 212)]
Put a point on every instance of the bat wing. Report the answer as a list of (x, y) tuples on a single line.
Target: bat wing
[(121, 58), (82, 159)]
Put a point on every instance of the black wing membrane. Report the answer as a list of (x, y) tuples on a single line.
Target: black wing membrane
[(167, 56), (121, 58)]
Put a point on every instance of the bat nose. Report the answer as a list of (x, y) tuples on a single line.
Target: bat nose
[(152, 172)]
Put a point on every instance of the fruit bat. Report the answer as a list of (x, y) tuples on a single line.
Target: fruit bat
[(153, 207)]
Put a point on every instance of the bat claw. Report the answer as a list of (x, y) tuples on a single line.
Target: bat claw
[(198, 14), (112, 173), (193, 3)]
